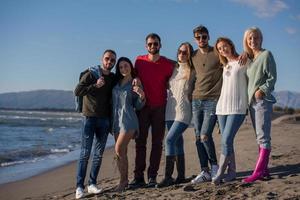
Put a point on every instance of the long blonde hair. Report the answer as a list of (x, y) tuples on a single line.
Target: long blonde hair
[(246, 35), (187, 72)]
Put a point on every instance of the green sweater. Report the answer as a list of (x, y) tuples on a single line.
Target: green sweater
[(262, 75)]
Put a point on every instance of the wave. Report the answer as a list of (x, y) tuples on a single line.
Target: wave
[(18, 117), (60, 150), (29, 156), (7, 164), (40, 123)]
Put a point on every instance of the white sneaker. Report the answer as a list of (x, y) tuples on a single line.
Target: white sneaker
[(202, 177), (214, 170), (79, 193), (92, 189)]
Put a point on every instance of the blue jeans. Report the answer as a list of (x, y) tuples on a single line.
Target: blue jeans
[(260, 112), (229, 125), (204, 119), (174, 139), (92, 127)]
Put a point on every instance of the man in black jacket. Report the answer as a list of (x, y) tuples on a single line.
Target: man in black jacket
[(96, 111)]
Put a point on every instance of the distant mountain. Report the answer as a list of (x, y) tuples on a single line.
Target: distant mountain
[(287, 99), (61, 99), (38, 99)]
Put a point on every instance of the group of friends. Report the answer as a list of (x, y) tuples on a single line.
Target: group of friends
[(203, 86)]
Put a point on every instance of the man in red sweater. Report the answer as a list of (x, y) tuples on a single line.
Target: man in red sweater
[(154, 71)]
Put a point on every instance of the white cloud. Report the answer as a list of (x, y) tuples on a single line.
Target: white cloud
[(291, 30), (264, 8)]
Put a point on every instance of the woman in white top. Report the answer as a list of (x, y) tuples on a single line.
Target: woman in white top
[(231, 107), (178, 114)]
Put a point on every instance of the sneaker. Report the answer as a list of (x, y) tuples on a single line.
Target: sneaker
[(214, 170), (152, 183), (137, 183), (92, 189), (79, 193), (202, 177)]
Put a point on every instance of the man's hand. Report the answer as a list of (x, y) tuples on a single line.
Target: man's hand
[(100, 82)]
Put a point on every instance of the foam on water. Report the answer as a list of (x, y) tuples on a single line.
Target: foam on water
[(32, 142)]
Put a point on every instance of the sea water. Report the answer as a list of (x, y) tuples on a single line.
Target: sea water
[(32, 142)]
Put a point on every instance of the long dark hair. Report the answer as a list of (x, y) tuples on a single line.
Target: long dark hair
[(119, 76)]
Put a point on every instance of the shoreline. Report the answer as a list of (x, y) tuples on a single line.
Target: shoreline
[(41, 166), (59, 183)]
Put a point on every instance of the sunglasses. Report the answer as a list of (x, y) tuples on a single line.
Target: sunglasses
[(184, 53), (152, 44), (203, 37), (111, 59)]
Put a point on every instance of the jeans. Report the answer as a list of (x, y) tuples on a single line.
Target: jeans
[(260, 112), (153, 117), (204, 120), (229, 125), (92, 127), (174, 139)]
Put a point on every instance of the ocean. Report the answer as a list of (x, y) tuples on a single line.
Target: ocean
[(32, 142)]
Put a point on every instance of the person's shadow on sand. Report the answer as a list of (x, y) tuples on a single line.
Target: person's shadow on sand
[(280, 171)]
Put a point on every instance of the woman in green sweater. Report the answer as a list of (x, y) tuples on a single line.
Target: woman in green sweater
[(261, 80)]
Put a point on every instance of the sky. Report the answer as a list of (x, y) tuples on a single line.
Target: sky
[(46, 44)]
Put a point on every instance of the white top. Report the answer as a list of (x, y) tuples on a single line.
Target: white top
[(179, 106), (233, 98)]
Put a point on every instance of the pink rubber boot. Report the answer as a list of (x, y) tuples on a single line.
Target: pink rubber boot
[(266, 172), (260, 167)]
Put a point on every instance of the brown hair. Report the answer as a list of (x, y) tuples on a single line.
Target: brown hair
[(223, 59)]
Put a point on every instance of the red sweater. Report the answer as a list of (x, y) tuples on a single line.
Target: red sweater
[(154, 77)]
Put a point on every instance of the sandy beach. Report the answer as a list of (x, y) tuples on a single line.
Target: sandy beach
[(284, 167)]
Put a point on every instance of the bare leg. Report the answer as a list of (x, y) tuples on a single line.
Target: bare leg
[(122, 141)]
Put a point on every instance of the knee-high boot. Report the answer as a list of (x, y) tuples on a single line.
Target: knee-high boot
[(261, 165), (266, 172), (180, 165), (168, 180), (231, 170), (223, 163)]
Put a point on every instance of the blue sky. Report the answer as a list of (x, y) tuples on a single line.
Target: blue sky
[(46, 44)]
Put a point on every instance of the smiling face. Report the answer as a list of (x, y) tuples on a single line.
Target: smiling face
[(254, 41), (183, 54), (108, 61), (201, 39), (153, 45), (224, 49), (125, 69)]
